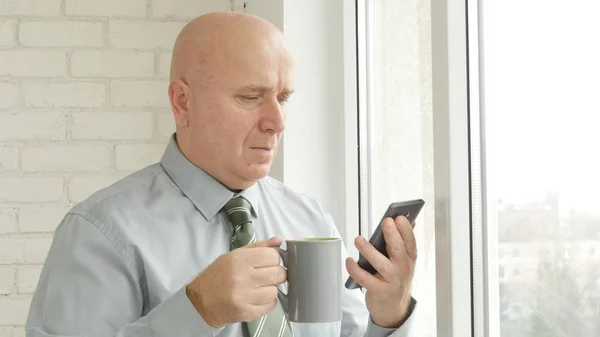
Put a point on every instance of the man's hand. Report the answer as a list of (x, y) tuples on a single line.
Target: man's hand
[(239, 286), (389, 291)]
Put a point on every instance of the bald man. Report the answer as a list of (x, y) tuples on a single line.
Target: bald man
[(159, 254)]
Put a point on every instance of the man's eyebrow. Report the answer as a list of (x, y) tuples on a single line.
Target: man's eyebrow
[(287, 92), (255, 88), (261, 88)]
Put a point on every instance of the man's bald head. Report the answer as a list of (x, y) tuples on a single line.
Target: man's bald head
[(213, 37), (231, 76)]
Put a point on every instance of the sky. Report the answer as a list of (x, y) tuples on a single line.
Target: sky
[(542, 93)]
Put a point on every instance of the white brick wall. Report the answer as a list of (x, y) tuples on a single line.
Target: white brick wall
[(10, 95), (8, 220), (112, 125), (32, 125), (35, 63), (9, 160), (60, 94), (8, 32), (131, 156), (61, 34), (7, 280), (139, 94), (115, 64), (135, 8), (83, 102), (142, 34), (30, 7)]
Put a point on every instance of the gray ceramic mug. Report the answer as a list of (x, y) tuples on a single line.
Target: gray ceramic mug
[(314, 276)]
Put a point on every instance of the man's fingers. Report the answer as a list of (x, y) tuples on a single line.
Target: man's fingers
[(275, 241), (259, 310), (381, 263), (408, 236), (393, 241), (269, 276), (259, 257), (361, 276), (263, 295)]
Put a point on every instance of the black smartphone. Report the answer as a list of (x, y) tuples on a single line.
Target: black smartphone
[(410, 209)]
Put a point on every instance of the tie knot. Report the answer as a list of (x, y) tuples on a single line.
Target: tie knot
[(237, 211)]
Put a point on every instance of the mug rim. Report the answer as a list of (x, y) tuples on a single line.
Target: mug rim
[(315, 239)]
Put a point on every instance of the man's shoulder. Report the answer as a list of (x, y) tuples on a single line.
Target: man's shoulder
[(122, 194), (288, 195)]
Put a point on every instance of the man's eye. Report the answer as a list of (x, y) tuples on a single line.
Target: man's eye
[(282, 100), (250, 98)]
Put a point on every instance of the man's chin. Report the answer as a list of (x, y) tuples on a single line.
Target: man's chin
[(256, 171)]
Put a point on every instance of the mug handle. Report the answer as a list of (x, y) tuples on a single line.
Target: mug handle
[(283, 297)]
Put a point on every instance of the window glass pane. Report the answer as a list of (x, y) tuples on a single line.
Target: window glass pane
[(541, 80), (400, 122)]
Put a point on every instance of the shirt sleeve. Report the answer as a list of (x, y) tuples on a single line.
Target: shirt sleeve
[(356, 320), (404, 330), (88, 288)]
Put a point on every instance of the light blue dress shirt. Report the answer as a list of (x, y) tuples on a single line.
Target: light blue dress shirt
[(120, 260)]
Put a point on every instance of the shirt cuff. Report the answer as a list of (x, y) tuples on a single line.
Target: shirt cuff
[(177, 316), (374, 330)]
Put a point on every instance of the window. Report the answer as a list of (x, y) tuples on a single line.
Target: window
[(539, 80), (395, 129), (496, 102)]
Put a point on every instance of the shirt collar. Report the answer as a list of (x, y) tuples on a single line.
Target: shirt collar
[(204, 191)]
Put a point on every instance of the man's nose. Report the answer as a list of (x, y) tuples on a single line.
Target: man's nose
[(273, 117)]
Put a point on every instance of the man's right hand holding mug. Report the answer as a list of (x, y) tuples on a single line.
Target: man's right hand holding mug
[(239, 286)]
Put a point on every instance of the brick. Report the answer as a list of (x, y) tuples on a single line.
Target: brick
[(9, 159), (132, 157), (19, 332), (143, 34), (10, 96), (79, 188), (112, 125), (32, 126), (30, 7), (186, 8), (6, 331), (139, 94), (164, 67), (115, 64), (24, 63), (8, 220), (106, 7), (31, 189), (66, 158), (61, 34), (41, 218), (14, 310), (36, 249), (27, 278), (11, 250), (7, 280), (166, 126), (8, 32), (74, 94)]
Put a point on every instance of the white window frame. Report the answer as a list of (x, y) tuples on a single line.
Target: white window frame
[(452, 168), (465, 223)]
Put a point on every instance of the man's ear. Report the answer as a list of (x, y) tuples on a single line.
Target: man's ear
[(178, 95)]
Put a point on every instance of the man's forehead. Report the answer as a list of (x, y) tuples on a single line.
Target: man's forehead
[(260, 76)]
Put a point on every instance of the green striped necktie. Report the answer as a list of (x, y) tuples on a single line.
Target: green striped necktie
[(273, 324)]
